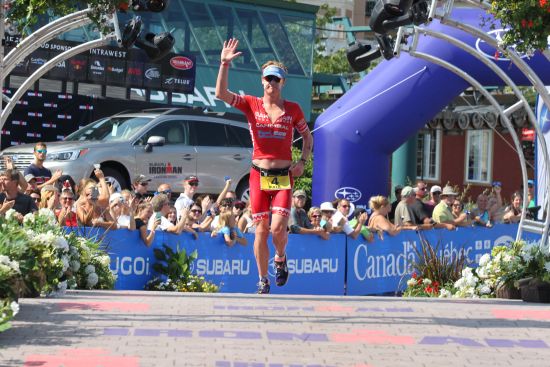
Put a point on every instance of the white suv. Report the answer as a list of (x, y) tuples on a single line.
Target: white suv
[(165, 144)]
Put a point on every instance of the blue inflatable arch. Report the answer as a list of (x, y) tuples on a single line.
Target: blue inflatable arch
[(358, 133)]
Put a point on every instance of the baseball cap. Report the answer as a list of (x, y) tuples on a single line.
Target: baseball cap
[(407, 191), (191, 178), (435, 189), (299, 192), (529, 182), (116, 197), (142, 178), (29, 177)]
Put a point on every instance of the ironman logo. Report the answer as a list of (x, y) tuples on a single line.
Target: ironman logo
[(181, 63)]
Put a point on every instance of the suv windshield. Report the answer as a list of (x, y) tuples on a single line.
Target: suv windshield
[(111, 129)]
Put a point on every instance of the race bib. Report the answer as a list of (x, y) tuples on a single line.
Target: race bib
[(275, 182)]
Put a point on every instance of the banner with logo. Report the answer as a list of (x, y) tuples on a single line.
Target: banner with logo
[(115, 66), (316, 266), (383, 266), (543, 118)]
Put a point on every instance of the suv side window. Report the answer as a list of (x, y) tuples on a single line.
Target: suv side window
[(239, 136), (210, 134), (173, 132)]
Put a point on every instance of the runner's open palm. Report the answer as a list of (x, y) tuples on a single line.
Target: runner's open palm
[(229, 51)]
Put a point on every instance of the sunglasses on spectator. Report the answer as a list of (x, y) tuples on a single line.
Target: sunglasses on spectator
[(228, 205), (457, 205), (41, 151), (196, 211), (144, 183), (344, 206), (67, 198), (193, 184), (165, 192), (316, 216), (270, 78)]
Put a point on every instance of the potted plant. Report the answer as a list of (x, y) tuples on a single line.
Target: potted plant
[(533, 271)]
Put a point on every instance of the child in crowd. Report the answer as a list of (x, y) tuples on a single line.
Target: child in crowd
[(226, 227)]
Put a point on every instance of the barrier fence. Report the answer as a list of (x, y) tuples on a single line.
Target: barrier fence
[(336, 266)]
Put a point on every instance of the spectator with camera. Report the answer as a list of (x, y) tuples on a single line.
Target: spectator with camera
[(327, 211), (365, 231), (161, 207), (340, 219), (66, 216), (89, 212), (144, 213), (122, 212)]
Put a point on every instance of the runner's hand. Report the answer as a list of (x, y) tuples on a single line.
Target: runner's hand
[(297, 169), (229, 50)]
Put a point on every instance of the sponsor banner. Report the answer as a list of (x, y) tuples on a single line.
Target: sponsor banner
[(111, 65), (384, 266), (316, 266), (541, 186)]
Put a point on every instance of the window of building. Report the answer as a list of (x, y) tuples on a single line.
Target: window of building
[(428, 156), (369, 6), (479, 148)]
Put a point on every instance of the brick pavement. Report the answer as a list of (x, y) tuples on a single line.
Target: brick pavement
[(131, 329)]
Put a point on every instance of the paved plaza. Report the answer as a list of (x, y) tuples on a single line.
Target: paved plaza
[(131, 329)]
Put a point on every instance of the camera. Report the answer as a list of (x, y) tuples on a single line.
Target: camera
[(95, 193)]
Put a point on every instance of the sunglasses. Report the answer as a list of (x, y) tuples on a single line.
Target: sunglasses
[(316, 216), (344, 206), (70, 199), (165, 192), (144, 183), (193, 184), (196, 211), (41, 151), (271, 78), (457, 206)]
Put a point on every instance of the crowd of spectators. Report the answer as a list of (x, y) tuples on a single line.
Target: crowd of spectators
[(93, 202)]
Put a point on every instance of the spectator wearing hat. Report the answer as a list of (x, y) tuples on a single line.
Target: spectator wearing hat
[(185, 200), (140, 186), (340, 219), (397, 192), (299, 222), (327, 210), (417, 208), (31, 183), (403, 216), (442, 212), (66, 216), (435, 198), (42, 174)]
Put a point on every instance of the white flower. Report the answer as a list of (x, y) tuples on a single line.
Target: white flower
[(14, 308), (62, 287), (482, 273), (411, 282), (484, 259), (92, 280), (105, 260), (484, 289), (9, 214), (444, 293), (61, 243), (75, 265), (65, 261), (28, 218), (427, 281), (73, 250), (89, 269)]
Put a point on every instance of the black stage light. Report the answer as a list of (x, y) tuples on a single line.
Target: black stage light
[(360, 56), (156, 46)]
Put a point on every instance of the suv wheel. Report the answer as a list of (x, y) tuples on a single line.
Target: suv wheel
[(115, 178), (243, 190)]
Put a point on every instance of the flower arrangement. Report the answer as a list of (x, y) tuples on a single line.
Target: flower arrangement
[(421, 287), (175, 267), (527, 22), (38, 258)]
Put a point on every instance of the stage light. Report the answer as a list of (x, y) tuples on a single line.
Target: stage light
[(149, 5), (360, 56), (131, 32), (156, 46)]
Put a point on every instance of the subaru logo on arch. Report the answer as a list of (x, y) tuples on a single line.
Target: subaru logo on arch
[(349, 193), (488, 50)]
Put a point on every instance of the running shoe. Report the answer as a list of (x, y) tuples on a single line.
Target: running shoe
[(281, 272), (263, 287)]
